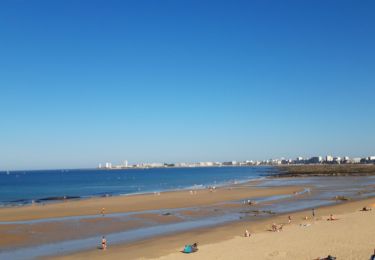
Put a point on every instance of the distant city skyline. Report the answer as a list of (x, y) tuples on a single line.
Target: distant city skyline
[(328, 159), (83, 82)]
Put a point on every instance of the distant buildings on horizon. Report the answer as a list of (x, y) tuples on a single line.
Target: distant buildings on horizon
[(329, 159)]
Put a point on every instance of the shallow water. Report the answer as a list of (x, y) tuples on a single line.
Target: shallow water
[(121, 237)]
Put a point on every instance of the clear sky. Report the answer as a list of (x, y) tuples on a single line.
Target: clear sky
[(83, 82)]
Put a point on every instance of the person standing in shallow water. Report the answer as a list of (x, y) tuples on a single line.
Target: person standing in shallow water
[(104, 243)]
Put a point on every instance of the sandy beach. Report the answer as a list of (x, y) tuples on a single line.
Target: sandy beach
[(19, 234), (42, 225), (349, 237), (118, 204)]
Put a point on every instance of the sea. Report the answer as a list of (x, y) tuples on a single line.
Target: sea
[(44, 186)]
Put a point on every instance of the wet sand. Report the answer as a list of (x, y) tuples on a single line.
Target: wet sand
[(22, 235), (28, 234), (158, 218), (350, 237), (131, 203)]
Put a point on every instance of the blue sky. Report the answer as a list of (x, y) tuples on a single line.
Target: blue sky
[(83, 82)]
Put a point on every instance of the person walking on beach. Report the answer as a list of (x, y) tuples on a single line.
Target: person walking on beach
[(104, 243), (289, 219), (103, 211), (313, 213)]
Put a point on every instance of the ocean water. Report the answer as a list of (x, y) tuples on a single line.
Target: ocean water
[(21, 187)]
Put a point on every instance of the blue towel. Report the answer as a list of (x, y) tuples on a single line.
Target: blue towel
[(188, 249)]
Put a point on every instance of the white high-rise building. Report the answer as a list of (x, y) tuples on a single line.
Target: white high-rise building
[(329, 158), (126, 163), (356, 160)]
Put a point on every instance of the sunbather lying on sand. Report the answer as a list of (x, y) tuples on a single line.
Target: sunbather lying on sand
[(331, 217), (365, 209), (277, 228)]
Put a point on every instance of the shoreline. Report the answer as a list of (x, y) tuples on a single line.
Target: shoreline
[(73, 196), (52, 200), (137, 202)]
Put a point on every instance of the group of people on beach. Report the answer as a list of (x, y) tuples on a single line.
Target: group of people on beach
[(278, 228), (275, 227)]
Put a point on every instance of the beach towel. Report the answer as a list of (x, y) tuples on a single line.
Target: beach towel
[(188, 249)]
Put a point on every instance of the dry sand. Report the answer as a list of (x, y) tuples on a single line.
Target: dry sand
[(350, 237)]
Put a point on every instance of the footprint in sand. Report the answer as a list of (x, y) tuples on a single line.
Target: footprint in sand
[(277, 254)]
